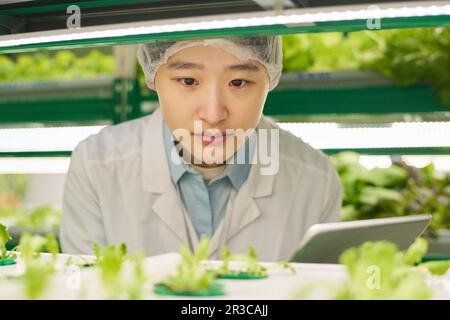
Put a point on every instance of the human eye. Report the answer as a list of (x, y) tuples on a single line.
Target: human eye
[(239, 83), (188, 82)]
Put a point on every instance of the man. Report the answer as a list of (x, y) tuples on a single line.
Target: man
[(200, 164)]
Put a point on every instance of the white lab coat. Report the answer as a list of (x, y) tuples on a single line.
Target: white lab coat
[(118, 189)]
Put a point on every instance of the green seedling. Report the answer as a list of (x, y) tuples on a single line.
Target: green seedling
[(377, 271), (191, 278), (5, 256), (436, 268), (37, 272), (287, 265), (110, 261), (250, 270)]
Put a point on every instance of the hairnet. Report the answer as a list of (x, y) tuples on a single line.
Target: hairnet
[(266, 50)]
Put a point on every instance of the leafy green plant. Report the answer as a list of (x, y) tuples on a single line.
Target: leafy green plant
[(79, 261), (191, 278), (30, 246), (110, 261), (12, 189), (37, 272), (135, 284), (43, 217), (378, 270), (62, 65), (410, 56), (287, 265), (437, 268), (416, 252), (250, 267), (414, 56), (4, 238), (395, 191), (122, 276)]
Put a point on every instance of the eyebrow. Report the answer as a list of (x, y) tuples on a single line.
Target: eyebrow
[(183, 65)]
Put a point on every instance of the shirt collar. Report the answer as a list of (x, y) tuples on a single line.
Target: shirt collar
[(237, 173)]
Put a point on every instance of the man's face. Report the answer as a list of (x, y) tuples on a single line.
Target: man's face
[(213, 87)]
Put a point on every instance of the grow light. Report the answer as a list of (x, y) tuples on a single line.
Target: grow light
[(371, 162), (291, 17), (34, 165), (441, 163), (44, 139), (398, 135)]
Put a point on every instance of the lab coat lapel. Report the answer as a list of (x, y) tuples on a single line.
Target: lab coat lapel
[(156, 177), (168, 208), (245, 210)]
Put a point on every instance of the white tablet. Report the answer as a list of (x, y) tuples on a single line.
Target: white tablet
[(324, 243)]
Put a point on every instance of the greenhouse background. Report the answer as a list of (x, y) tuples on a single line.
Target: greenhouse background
[(376, 101)]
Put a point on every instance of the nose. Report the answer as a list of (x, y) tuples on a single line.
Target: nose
[(213, 108)]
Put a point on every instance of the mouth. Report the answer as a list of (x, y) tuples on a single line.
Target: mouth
[(216, 138)]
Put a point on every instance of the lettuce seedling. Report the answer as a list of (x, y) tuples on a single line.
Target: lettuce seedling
[(117, 282), (134, 286), (416, 251), (4, 238), (378, 270), (251, 267), (110, 261), (436, 268), (37, 272), (287, 265), (191, 276)]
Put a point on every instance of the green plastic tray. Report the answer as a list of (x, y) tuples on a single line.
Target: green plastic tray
[(216, 289), (7, 262), (242, 276)]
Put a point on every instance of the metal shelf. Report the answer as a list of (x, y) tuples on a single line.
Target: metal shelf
[(80, 101), (132, 23), (395, 151), (299, 94), (377, 151)]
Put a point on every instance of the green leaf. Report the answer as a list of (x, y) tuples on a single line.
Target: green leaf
[(416, 251), (4, 238), (438, 268), (378, 270)]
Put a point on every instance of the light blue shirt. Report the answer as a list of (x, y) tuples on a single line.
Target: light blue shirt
[(206, 204)]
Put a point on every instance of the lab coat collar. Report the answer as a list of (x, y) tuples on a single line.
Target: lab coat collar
[(156, 177), (155, 168)]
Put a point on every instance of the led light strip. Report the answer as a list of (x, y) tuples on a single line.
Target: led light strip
[(399, 135), (44, 139), (440, 162), (290, 17), (34, 165), (61, 165), (319, 135)]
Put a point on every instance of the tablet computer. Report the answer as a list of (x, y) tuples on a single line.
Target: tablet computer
[(324, 243)]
